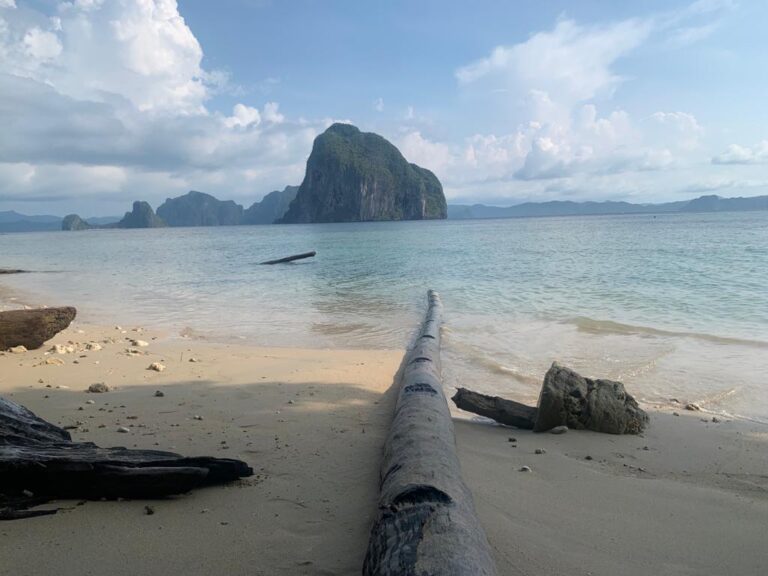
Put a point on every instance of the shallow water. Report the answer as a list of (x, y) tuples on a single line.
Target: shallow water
[(673, 305)]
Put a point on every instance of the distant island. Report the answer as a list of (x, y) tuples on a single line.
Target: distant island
[(709, 203), (355, 176)]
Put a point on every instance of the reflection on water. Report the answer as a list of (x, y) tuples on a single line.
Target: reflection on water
[(674, 305)]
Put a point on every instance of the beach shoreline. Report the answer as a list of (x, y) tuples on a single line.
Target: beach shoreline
[(686, 497)]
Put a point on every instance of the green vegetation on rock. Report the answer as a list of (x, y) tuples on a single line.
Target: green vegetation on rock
[(356, 176)]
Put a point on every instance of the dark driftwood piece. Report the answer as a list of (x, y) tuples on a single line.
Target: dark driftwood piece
[(503, 411), (291, 258), (426, 523), (11, 271), (39, 462), (31, 328)]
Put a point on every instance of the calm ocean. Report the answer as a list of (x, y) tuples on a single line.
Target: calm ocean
[(676, 306)]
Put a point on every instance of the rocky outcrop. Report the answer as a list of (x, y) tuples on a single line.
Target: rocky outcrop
[(32, 328), (271, 208), (568, 399), (200, 209), (142, 216), (74, 222), (355, 176)]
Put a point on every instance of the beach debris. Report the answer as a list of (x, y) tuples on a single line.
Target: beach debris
[(675, 414), (90, 402), (123, 429), (503, 411), (525, 468), (159, 394), (139, 343), (156, 366), (17, 349), (62, 349), (587, 457), (32, 328), (93, 346), (291, 258), (149, 510), (715, 419), (569, 399), (42, 459), (193, 359), (54, 361), (425, 521), (692, 407), (540, 451), (98, 388), (511, 439), (197, 417)]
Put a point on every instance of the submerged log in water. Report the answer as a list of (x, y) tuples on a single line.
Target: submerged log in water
[(291, 258), (426, 522), (31, 328), (40, 462)]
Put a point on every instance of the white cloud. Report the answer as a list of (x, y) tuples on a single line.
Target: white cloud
[(7, 3), (570, 63), (736, 154), (111, 96), (434, 156), (41, 45), (243, 115), (378, 104)]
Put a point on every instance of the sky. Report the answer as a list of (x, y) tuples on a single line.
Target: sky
[(103, 102)]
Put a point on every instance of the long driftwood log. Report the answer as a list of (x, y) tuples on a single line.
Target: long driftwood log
[(39, 462), (426, 523), (503, 411), (32, 328), (11, 271), (291, 258)]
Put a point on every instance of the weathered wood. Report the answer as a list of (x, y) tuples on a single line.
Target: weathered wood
[(426, 523), (503, 411), (40, 462), (31, 328), (11, 271), (291, 258)]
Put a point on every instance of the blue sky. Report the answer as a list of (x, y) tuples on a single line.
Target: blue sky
[(106, 101)]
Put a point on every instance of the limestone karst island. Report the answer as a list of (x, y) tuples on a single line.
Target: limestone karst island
[(301, 288)]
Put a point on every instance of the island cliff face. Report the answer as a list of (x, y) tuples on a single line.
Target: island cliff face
[(142, 216), (272, 207), (200, 209), (355, 176)]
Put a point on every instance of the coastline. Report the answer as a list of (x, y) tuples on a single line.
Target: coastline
[(312, 423)]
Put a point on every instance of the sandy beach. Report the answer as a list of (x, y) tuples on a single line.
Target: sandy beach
[(688, 497)]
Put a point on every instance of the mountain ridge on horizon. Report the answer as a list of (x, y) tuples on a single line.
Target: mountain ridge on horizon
[(12, 221)]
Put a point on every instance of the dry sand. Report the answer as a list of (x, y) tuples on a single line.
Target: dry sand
[(312, 424)]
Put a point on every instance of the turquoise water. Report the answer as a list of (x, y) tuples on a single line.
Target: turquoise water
[(675, 305)]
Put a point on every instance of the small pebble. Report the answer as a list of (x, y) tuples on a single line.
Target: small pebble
[(98, 388), (156, 366), (525, 469), (123, 429), (587, 457), (559, 430), (149, 510), (511, 439), (197, 417), (675, 414), (540, 451), (159, 394), (715, 419), (90, 402)]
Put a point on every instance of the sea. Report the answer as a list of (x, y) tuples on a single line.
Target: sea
[(675, 306)]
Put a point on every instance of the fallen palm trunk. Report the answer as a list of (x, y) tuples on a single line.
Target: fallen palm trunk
[(32, 328), (426, 522), (291, 258), (503, 411), (40, 462), (566, 399)]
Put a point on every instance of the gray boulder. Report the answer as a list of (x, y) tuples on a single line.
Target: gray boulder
[(568, 399)]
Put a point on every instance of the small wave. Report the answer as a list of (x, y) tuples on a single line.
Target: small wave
[(594, 326)]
